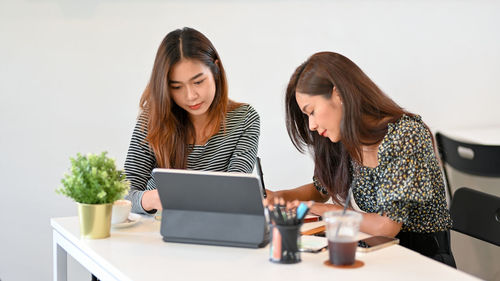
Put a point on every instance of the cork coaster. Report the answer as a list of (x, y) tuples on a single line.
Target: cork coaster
[(356, 264)]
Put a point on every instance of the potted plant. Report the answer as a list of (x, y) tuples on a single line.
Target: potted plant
[(94, 183)]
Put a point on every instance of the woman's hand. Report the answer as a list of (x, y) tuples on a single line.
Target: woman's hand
[(151, 200), (270, 195)]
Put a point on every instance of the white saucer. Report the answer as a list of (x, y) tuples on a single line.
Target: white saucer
[(131, 220)]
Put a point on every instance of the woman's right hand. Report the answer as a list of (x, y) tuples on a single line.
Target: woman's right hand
[(151, 200), (270, 195)]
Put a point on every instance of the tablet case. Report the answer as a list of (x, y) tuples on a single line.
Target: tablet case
[(211, 208)]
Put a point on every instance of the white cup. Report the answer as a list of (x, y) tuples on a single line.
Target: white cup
[(121, 210)]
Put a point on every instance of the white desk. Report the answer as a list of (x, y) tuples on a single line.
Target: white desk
[(139, 253), (479, 135)]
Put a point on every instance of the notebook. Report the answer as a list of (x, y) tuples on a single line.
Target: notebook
[(213, 208)]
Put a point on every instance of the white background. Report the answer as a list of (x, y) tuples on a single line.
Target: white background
[(72, 72)]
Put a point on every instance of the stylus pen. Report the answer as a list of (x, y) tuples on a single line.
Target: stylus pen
[(261, 176), (315, 251)]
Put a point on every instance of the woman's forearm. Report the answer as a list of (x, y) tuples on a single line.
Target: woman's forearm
[(376, 224), (372, 223), (306, 192)]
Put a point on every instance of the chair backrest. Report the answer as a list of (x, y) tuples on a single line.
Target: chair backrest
[(475, 159), (476, 214), (469, 158)]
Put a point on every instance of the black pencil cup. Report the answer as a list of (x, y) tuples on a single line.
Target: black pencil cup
[(284, 246)]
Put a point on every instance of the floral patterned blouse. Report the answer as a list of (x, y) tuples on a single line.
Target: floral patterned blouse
[(407, 185)]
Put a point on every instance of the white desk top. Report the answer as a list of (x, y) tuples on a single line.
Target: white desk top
[(139, 253), (479, 135)]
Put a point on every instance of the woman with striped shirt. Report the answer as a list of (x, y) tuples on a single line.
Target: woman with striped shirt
[(186, 119)]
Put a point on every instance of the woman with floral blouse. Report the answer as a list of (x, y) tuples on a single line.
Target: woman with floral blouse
[(365, 144)]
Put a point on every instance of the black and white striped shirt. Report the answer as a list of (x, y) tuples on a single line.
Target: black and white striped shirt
[(232, 151)]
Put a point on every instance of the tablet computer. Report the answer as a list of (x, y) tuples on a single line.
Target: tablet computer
[(214, 208)]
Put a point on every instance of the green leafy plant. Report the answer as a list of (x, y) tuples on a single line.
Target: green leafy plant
[(94, 179)]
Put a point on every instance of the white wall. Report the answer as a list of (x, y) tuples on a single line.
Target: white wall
[(72, 72)]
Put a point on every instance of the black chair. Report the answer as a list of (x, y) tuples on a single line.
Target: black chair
[(476, 214), (469, 158)]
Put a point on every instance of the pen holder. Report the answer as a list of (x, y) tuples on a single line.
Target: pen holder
[(285, 243)]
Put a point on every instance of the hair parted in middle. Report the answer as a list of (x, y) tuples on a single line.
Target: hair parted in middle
[(169, 127)]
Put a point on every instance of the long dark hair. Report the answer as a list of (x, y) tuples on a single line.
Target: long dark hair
[(366, 114), (169, 127)]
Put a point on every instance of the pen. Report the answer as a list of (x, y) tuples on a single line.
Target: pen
[(302, 210), (278, 212), (261, 176)]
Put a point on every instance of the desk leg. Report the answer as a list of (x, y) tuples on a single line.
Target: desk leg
[(60, 260)]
